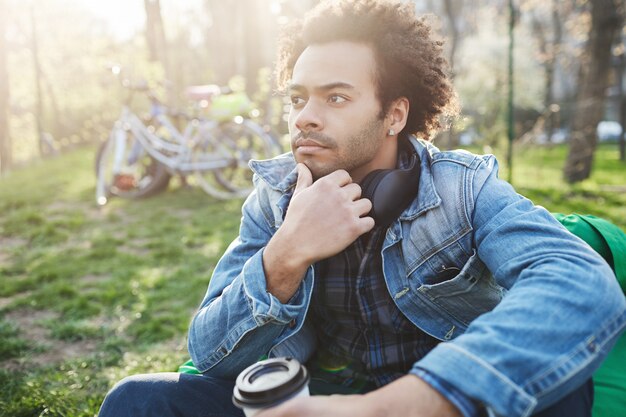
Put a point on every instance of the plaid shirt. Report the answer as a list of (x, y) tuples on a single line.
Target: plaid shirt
[(358, 326), (364, 340)]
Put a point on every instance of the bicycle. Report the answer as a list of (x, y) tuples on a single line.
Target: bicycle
[(139, 158)]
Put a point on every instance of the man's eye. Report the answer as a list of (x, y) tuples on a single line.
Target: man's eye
[(336, 99), (296, 100)]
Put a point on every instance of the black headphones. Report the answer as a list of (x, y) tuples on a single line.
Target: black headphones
[(392, 190)]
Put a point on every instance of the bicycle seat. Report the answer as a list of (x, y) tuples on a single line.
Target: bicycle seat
[(204, 92)]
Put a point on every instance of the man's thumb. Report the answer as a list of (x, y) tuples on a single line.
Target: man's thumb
[(305, 178)]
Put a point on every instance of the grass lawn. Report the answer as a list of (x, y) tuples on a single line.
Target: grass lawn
[(537, 174), (89, 295)]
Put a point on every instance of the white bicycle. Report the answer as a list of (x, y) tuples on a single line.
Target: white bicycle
[(139, 158)]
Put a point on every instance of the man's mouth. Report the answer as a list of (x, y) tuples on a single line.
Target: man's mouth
[(310, 143), (306, 143), (309, 147)]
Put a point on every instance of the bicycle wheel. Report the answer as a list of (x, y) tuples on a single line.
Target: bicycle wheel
[(124, 169), (238, 143), (208, 153)]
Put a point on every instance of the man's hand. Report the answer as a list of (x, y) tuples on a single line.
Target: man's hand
[(408, 396), (322, 220)]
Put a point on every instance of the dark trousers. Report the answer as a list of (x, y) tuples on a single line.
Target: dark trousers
[(183, 395)]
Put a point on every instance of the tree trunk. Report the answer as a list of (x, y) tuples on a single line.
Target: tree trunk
[(620, 77), (607, 17), (157, 44), (155, 32), (553, 53), (6, 155), (224, 39), (550, 65), (39, 107), (58, 129), (549, 50), (253, 45)]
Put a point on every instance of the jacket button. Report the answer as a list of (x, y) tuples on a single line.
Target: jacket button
[(292, 324)]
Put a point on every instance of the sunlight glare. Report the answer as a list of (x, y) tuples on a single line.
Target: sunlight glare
[(124, 18), (276, 8)]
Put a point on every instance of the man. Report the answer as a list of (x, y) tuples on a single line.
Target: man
[(471, 301)]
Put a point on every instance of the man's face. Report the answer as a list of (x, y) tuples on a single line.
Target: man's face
[(334, 120)]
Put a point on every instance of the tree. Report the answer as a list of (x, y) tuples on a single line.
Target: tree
[(155, 32), (224, 39), (481, 76), (157, 43), (253, 46), (549, 34), (239, 39), (39, 112), (607, 17), (5, 139)]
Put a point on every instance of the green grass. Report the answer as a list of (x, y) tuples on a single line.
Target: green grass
[(537, 174), (88, 295)]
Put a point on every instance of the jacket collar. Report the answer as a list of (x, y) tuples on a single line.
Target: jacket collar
[(427, 196), (280, 174)]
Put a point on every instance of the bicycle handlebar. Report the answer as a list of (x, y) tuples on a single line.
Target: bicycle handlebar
[(197, 93)]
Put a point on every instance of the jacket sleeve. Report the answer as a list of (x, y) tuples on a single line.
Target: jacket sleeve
[(560, 317), (238, 319)]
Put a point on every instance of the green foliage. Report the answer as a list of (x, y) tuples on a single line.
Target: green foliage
[(482, 80), (80, 96), (89, 296)]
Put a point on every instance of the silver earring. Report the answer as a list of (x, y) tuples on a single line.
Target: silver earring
[(391, 132)]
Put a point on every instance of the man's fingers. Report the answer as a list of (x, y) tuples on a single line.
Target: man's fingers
[(305, 178), (339, 177), (353, 191), (362, 206), (365, 224)]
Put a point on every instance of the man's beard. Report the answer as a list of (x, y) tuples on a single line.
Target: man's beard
[(352, 153)]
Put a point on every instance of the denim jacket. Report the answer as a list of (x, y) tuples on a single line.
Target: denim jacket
[(525, 310)]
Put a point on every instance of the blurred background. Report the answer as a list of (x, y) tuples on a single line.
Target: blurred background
[(567, 65), (92, 293)]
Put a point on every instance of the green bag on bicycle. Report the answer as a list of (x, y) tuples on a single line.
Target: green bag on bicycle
[(227, 106)]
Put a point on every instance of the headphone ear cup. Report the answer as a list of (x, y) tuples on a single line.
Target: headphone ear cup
[(390, 191), (371, 182), (369, 185)]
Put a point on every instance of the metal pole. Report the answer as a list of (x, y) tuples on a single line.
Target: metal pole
[(510, 119), (622, 105)]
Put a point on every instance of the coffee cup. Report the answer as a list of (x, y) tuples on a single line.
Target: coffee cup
[(268, 383)]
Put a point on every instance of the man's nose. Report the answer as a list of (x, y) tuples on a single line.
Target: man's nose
[(309, 118)]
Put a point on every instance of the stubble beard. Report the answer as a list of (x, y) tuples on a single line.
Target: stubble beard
[(355, 151)]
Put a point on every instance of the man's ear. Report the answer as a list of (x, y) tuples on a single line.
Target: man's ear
[(397, 114)]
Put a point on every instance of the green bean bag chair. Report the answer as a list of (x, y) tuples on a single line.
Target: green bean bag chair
[(610, 242)]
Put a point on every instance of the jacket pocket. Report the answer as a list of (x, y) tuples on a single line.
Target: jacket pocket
[(470, 292), (446, 273)]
